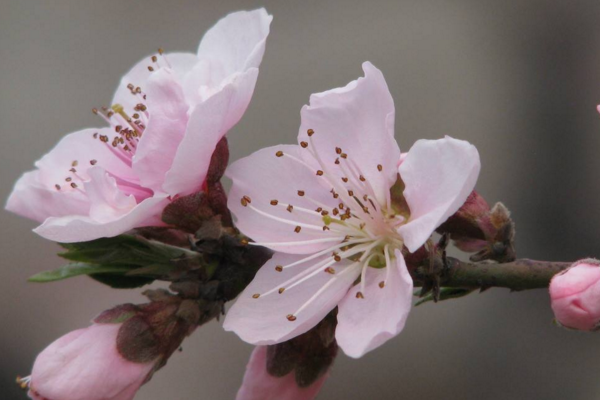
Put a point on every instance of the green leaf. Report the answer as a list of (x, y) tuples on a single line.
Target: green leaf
[(445, 294), (76, 269)]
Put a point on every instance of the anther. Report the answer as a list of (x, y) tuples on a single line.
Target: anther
[(281, 290), (338, 150), (359, 295), (344, 155), (297, 229), (319, 173), (68, 179), (337, 258), (330, 270), (290, 208), (256, 295), (274, 202), (279, 268), (379, 167), (310, 132), (160, 51), (301, 193), (73, 185), (319, 209), (245, 201), (291, 318), (324, 212), (153, 58), (95, 135), (304, 145), (95, 111), (382, 284), (344, 179), (57, 186), (150, 68), (279, 153), (326, 228), (350, 193), (337, 161), (74, 163)]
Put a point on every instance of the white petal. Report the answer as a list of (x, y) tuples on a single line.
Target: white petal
[(439, 176), (366, 323), (264, 177), (236, 43), (263, 320), (359, 119), (208, 123), (77, 228)]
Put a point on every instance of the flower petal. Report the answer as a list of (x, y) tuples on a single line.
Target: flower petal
[(366, 323), (32, 199), (259, 385), (166, 129), (107, 201), (263, 320), (264, 177), (78, 228), (439, 176), (358, 119), (80, 150), (236, 43), (179, 63), (208, 123)]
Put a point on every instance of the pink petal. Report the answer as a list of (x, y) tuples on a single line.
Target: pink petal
[(264, 177), (263, 320), (85, 365), (367, 323), (259, 385), (107, 201), (32, 199), (236, 43), (180, 64), (165, 131), (439, 176), (208, 123), (359, 119), (80, 148), (78, 228)]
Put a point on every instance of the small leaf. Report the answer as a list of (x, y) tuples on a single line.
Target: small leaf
[(75, 269), (445, 294)]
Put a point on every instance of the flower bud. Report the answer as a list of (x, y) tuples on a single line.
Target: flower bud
[(575, 296), (86, 365)]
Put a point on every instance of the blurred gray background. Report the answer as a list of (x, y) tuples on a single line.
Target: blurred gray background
[(520, 79)]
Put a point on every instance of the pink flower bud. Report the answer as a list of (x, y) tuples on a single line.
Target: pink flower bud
[(575, 296), (85, 365)]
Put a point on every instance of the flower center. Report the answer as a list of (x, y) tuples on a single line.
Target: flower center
[(362, 227), (129, 126)]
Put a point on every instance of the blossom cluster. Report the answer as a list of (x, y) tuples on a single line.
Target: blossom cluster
[(338, 220)]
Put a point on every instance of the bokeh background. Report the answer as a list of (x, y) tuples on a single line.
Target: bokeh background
[(519, 79)]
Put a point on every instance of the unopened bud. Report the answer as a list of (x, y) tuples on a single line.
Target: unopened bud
[(575, 296)]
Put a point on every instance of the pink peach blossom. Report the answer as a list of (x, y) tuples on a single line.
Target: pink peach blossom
[(575, 296), (168, 114), (85, 365), (259, 385), (325, 207)]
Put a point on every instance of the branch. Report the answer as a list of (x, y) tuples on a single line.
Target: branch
[(520, 274)]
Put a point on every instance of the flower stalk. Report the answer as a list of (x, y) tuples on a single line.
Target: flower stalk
[(521, 274)]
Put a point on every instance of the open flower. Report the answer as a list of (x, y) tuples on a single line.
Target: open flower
[(168, 114), (85, 365), (325, 207), (258, 384)]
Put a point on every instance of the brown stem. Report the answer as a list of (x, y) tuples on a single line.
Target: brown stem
[(520, 274)]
